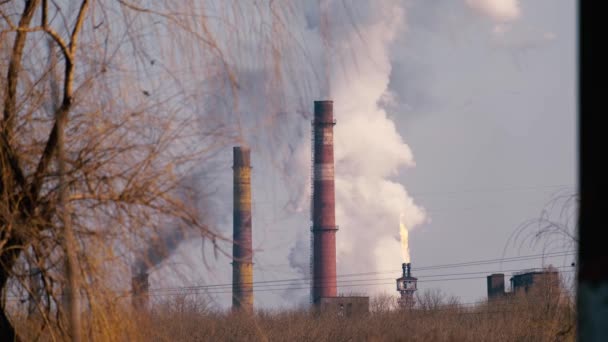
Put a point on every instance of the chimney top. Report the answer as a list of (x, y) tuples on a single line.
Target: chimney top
[(242, 156), (324, 112)]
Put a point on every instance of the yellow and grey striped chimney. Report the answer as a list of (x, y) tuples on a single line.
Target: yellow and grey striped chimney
[(242, 251)]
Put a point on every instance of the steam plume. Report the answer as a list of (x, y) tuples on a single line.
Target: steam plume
[(369, 151), (348, 46), (498, 10)]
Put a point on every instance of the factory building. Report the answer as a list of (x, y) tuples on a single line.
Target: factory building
[(496, 286), (535, 282), (524, 283)]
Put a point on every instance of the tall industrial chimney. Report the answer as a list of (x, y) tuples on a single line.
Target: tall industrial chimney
[(323, 204), (242, 251)]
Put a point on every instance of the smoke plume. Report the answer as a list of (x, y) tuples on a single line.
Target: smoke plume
[(498, 10), (369, 152), (161, 244), (343, 54)]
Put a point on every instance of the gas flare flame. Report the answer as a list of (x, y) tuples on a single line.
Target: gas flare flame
[(405, 245)]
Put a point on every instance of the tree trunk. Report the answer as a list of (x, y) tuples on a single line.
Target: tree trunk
[(7, 331), (7, 259)]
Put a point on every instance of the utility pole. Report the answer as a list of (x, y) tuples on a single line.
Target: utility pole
[(592, 290)]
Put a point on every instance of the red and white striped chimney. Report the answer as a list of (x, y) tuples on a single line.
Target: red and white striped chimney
[(324, 207)]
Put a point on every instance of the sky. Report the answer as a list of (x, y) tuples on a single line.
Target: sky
[(492, 123), (459, 114)]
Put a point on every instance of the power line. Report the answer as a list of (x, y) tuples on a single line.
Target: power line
[(454, 265), (290, 282), (287, 284), (467, 264), (214, 291), (350, 282)]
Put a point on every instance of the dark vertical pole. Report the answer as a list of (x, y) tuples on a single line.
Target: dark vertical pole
[(592, 291)]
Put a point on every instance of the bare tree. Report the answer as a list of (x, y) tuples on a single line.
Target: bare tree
[(383, 303), (97, 132), (555, 228), (430, 299)]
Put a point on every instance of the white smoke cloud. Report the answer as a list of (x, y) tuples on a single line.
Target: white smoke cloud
[(498, 10), (369, 151), (354, 71)]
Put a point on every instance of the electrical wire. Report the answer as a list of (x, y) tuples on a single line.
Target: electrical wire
[(302, 283), (349, 283), (454, 265)]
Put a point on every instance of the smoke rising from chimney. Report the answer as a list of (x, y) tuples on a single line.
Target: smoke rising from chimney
[(369, 151), (159, 248), (341, 52), (161, 244), (497, 10)]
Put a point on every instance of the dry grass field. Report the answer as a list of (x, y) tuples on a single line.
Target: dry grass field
[(435, 319)]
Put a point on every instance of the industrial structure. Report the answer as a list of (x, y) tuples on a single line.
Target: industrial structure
[(407, 285), (140, 290), (496, 286), (323, 204), (544, 282), (242, 250)]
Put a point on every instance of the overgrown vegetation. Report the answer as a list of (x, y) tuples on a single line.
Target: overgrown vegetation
[(103, 133), (524, 318)]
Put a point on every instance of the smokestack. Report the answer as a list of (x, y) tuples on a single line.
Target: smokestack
[(242, 251), (407, 285), (139, 290), (406, 269), (323, 209), (496, 285)]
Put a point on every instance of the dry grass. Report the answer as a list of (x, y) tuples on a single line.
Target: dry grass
[(519, 319)]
